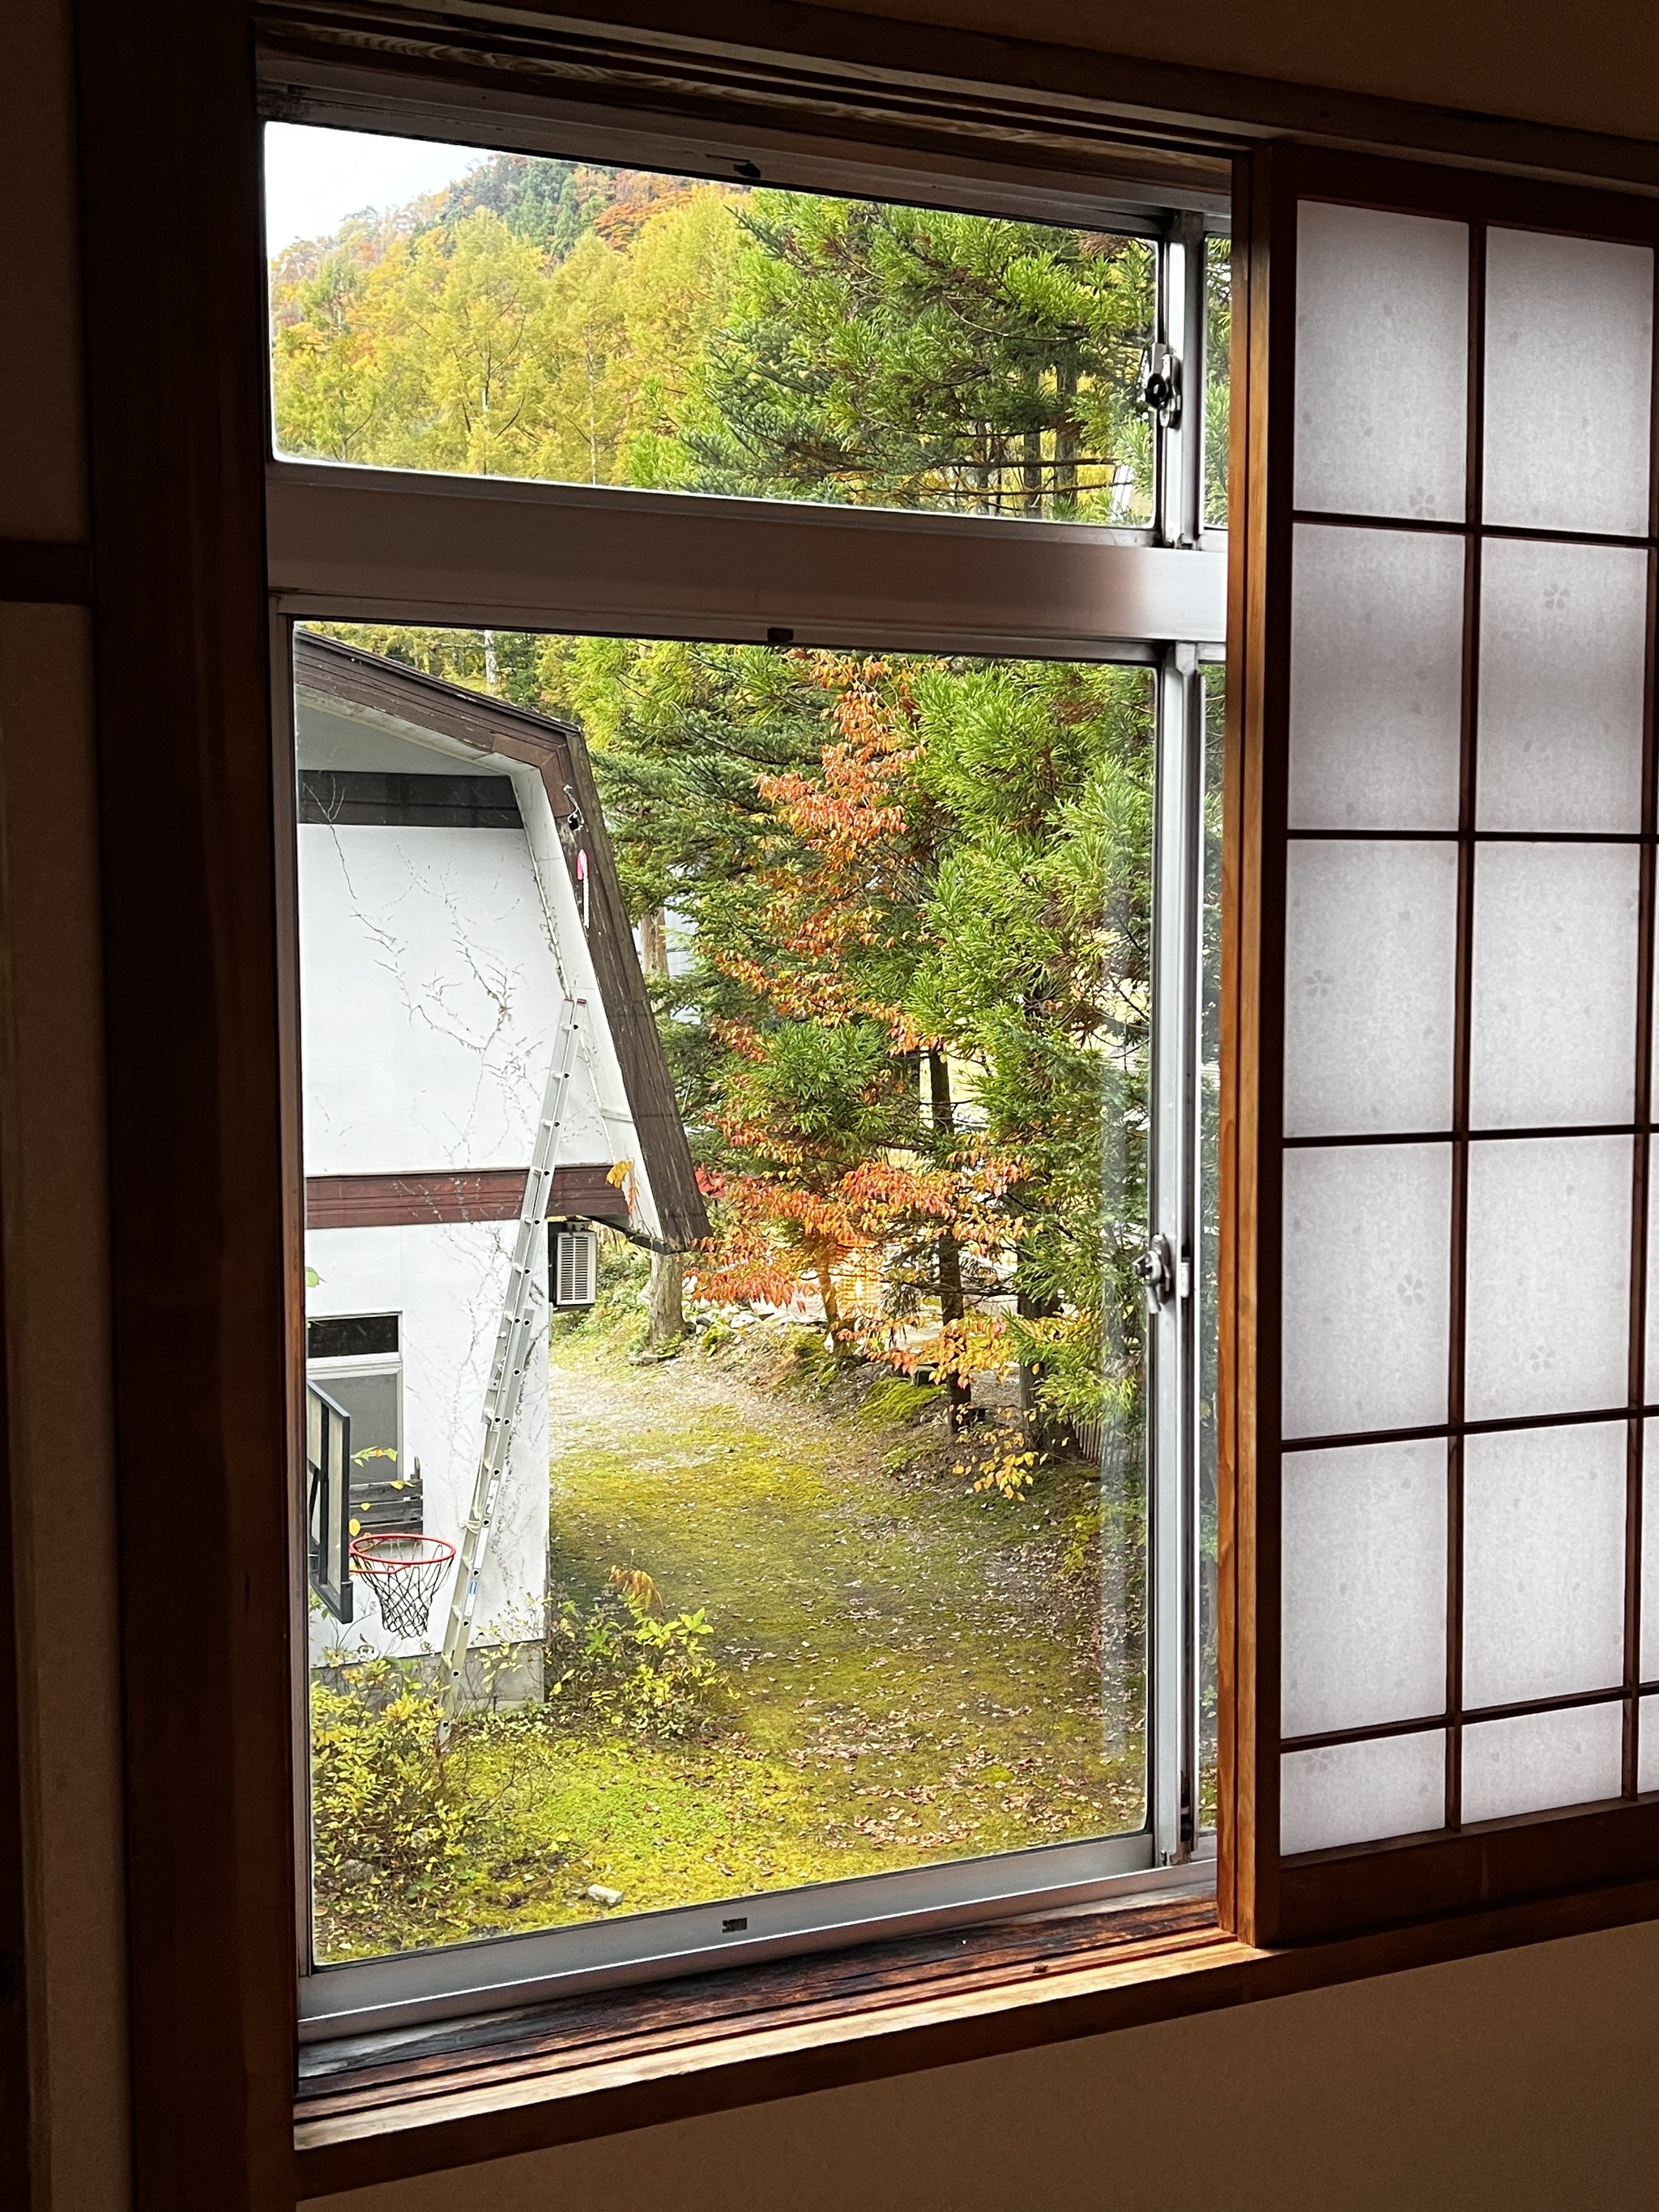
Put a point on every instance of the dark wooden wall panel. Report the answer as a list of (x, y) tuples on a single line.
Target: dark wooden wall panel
[(169, 152), (16, 2130), (391, 1201)]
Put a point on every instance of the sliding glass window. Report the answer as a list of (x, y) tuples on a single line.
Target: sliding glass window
[(752, 662)]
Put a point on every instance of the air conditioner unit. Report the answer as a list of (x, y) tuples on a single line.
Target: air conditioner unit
[(575, 1266)]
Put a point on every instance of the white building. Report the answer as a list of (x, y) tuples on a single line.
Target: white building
[(456, 888)]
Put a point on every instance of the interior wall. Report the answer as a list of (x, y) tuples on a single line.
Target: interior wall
[(1594, 66), (1517, 2082), (52, 1173)]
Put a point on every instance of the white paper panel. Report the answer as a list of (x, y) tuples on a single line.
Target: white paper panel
[(1543, 1563), (1369, 980), (1376, 646), (1365, 1582), (1647, 1744), (1357, 1793), (1535, 1761), (1381, 371), (1568, 379), (1548, 1276), (1553, 1027), (1367, 1240), (1562, 642)]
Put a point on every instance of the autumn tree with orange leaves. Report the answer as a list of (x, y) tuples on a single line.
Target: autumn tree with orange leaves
[(850, 1162)]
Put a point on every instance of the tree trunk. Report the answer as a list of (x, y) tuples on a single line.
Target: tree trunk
[(1031, 470), (653, 944), (1030, 1307), (666, 1296), (666, 1308), (1066, 440), (951, 1306), (826, 1283)]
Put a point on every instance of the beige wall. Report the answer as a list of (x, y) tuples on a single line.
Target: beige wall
[(1527, 2080), (51, 1169), (1593, 63)]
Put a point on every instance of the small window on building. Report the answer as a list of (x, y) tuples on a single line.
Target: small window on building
[(357, 1336), (354, 1366)]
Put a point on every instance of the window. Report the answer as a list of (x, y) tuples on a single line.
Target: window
[(755, 677), (200, 1191)]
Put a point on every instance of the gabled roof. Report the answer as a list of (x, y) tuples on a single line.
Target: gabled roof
[(557, 751)]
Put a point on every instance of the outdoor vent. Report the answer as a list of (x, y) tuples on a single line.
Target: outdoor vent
[(575, 1266)]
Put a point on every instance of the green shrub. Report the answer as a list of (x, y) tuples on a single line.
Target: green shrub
[(621, 1665), (616, 1321), (387, 1815)]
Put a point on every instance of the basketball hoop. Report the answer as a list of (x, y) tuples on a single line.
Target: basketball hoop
[(404, 1570)]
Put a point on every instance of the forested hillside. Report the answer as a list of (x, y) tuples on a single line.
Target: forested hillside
[(607, 326)]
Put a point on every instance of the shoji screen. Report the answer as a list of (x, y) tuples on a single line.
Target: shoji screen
[(1453, 1689)]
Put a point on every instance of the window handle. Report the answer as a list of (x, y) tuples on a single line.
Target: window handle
[(1160, 384), (1155, 1270)]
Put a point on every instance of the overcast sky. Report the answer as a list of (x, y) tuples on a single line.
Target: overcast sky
[(315, 179)]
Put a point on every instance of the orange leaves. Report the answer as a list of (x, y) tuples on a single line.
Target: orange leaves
[(854, 820), (838, 1200), (808, 994)]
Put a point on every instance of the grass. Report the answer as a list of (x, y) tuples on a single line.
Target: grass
[(911, 1672)]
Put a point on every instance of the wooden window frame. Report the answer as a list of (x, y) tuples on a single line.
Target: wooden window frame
[(200, 1210)]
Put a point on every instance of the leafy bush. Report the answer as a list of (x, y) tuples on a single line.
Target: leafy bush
[(633, 1667), (616, 1322), (387, 1815)]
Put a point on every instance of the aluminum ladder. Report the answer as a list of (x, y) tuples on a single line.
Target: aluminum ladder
[(513, 1342)]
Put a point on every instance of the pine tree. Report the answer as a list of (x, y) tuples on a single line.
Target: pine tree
[(909, 358)]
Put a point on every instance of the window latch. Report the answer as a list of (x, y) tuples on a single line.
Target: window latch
[(1155, 1271), (1160, 384)]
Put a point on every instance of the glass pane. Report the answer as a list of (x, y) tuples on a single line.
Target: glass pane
[(1534, 1761), (1548, 1276), (1364, 1578), (819, 1549), (1376, 646), (1217, 342), (1209, 1199), (1543, 1563), (1370, 986), (582, 324), (1553, 1028), (1563, 652), (1367, 1237), (1569, 382), (385, 1491), (1359, 1793), (1382, 362)]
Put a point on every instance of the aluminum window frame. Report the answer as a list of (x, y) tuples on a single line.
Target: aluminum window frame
[(384, 545)]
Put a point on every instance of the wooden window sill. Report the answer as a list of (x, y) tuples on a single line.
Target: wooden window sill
[(475, 2090)]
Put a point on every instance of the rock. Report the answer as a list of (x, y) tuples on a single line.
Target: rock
[(601, 1895), (355, 1870)]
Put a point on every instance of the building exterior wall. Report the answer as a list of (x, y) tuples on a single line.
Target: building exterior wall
[(432, 981), (430, 1000), (445, 1282)]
